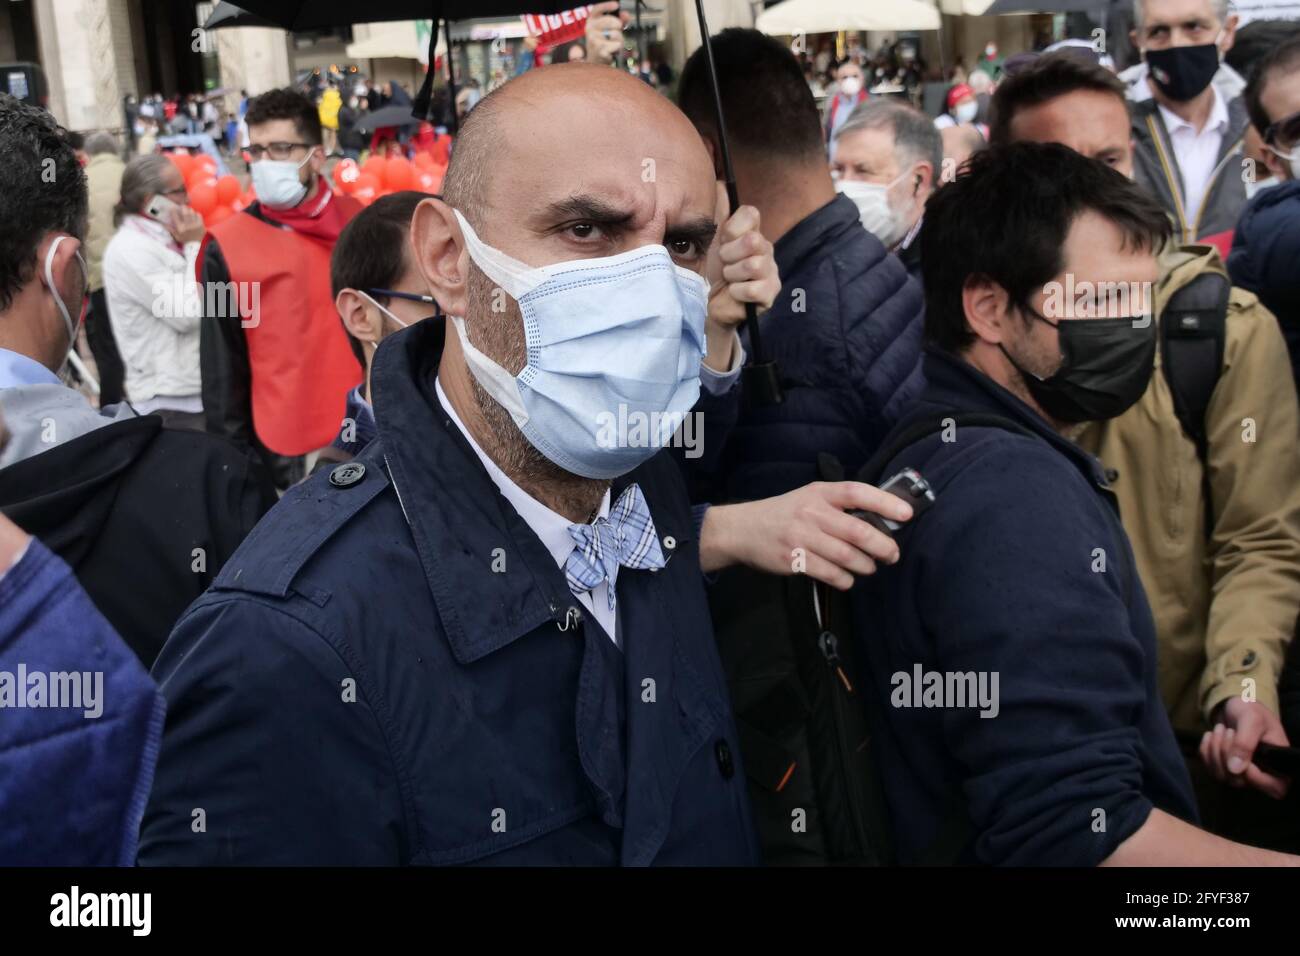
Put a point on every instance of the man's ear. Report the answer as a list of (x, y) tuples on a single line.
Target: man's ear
[(317, 161), (439, 248), (925, 173), (1275, 165), (1229, 33), (359, 316), (984, 304), (65, 269)]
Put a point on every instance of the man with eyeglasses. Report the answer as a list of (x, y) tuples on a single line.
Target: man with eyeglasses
[(276, 363), (1266, 248), (1188, 116)]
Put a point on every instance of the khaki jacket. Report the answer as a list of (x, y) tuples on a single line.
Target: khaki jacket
[(104, 185), (1225, 604)]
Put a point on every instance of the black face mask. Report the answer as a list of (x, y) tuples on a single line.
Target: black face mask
[(1106, 366), (1182, 72)]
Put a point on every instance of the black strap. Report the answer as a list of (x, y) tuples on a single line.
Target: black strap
[(1193, 334), (920, 427)]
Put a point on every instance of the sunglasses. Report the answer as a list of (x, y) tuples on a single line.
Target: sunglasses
[(1285, 132)]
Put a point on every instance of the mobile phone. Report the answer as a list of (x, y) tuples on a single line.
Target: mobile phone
[(1279, 761), (160, 208), (912, 488)]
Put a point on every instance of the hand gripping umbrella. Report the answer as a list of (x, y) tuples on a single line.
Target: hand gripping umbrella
[(762, 385)]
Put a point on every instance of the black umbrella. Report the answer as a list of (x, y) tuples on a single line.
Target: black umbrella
[(229, 15), (397, 115), (1046, 6), (762, 384)]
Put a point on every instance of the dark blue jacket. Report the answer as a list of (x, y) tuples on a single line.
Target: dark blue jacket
[(1265, 258), (845, 333), (73, 779), (1004, 576), (358, 428), (390, 671)]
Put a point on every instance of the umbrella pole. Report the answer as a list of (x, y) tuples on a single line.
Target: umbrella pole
[(451, 78), (762, 386)]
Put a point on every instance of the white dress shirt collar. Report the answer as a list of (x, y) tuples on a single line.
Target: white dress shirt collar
[(551, 527), (1217, 122)]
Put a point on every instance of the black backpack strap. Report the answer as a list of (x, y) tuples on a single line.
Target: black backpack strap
[(920, 427), (1193, 332)]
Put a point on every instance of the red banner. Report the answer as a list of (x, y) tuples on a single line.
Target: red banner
[(552, 29)]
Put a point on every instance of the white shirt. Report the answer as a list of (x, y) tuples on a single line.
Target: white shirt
[(551, 527), (1197, 153)]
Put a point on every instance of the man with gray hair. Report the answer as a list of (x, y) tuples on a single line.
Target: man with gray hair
[(103, 182), (1189, 118), (888, 159)]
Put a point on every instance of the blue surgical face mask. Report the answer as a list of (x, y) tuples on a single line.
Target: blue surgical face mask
[(610, 342), (276, 181)]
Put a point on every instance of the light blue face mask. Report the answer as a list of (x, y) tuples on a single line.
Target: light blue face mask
[(614, 348)]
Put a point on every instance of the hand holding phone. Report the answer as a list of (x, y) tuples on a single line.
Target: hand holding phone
[(912, 488)]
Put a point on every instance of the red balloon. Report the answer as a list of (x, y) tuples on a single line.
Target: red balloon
[(227, 190), (219, 214), (401, 174), (366, 188), (376, 166), (205, 161), (346, 172), (182, 161), (423, 160), (203, 198)]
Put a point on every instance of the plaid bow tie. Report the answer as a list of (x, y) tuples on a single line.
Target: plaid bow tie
[(626, 538)]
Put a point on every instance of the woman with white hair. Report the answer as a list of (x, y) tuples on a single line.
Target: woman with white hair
[(154, 300)]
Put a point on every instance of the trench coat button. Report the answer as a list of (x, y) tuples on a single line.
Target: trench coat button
[(1249, 659), (345, 476), (1112, 475), (725, 764), (669, 543)]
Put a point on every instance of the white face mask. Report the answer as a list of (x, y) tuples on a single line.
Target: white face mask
[(851, 86), (68, 321), (276, 181), (966, 112), (1293, 158), (1255, 188), (878, 217)]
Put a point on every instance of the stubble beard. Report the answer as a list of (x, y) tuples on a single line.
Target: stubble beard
[(500, 336)]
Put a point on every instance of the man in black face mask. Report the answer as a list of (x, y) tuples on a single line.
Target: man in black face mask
[(1017, 717), (1189, 118)]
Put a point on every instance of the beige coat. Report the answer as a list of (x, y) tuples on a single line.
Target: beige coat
[(1225, 604), (104, 183)]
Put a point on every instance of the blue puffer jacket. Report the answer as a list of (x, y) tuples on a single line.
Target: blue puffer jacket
[(80, 723), (845, 333), (1265, 253)]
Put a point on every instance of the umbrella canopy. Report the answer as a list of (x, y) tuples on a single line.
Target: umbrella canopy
[(830, 16), (310, 14), (1047, 6), (398, 115), (229, 15)]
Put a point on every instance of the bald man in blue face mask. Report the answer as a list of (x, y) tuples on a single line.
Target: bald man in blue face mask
[(485, 639)]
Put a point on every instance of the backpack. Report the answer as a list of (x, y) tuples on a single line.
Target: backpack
[(1193, 332), (788, 650)]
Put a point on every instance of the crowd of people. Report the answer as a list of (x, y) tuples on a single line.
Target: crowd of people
[(482, 527)]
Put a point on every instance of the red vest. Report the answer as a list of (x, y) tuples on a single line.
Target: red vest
[(302, 366)]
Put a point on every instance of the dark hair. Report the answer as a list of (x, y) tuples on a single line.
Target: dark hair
[(1048, 77), (1284, 57), (286, 103), (371, 250), (1007, 216), (1252, 42), (768, 106), (45, 190)]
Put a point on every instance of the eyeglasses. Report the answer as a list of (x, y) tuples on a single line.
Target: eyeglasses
[(409, 296), (277, 151), (1285, 132)]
